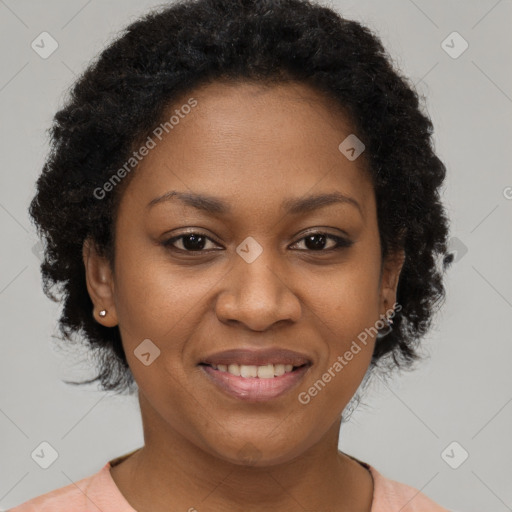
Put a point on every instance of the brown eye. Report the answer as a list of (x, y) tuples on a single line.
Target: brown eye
[(191, 242), (318, 241)]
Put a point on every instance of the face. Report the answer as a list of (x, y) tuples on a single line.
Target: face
[(247, 267)]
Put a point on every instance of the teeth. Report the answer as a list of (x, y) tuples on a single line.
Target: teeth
[(279, 369), (268, 371), (248, 371), (233, 369), (265, 372)]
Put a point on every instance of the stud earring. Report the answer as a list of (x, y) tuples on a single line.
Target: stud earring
[(103, 313)]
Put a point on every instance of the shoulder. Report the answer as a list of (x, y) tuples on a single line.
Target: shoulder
[(80, 496), (392, 495)]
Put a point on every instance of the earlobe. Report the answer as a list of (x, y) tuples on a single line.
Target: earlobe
[(100, 284)]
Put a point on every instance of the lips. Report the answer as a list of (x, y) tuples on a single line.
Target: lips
[(254, 389), (247, 357), (255, 375)]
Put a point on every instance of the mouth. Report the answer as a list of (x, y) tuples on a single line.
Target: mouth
[(255, 383)]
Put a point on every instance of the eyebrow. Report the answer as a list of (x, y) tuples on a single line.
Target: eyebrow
[(293, 206)]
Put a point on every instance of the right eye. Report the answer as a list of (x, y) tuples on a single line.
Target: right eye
[(191, 242)]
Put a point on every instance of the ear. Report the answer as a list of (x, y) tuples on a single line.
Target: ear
[(392, 267), (100, 283)]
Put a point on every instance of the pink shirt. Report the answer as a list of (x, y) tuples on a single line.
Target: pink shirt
[(99, 492)]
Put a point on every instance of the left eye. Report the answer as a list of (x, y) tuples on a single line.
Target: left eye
[(318, 240), (195, 242)]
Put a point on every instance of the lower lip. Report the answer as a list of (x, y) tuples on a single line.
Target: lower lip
[(255, 389)]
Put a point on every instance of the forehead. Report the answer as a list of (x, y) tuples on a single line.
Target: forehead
[(252, 142)]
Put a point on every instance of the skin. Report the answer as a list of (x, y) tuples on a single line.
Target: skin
[(252, 147)]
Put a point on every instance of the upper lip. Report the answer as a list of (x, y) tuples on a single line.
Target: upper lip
[(257, 357)]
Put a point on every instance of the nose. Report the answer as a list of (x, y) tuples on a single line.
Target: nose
[(258, 295)]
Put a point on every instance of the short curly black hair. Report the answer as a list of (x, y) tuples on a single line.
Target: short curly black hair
[(125, 92)]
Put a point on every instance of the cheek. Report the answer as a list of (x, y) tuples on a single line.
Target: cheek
[(348, 296), (150, 290), (158, 301), (346, 307), (145, 295), (344, 320)]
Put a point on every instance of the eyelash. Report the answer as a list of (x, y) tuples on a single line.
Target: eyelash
[(341, 243)]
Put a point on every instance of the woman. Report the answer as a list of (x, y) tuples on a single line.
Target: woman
[(242, 208)]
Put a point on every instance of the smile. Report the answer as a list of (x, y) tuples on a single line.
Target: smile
[(268, 371), (255, 383)]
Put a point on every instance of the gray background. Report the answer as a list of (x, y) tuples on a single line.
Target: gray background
[(463, 393)]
